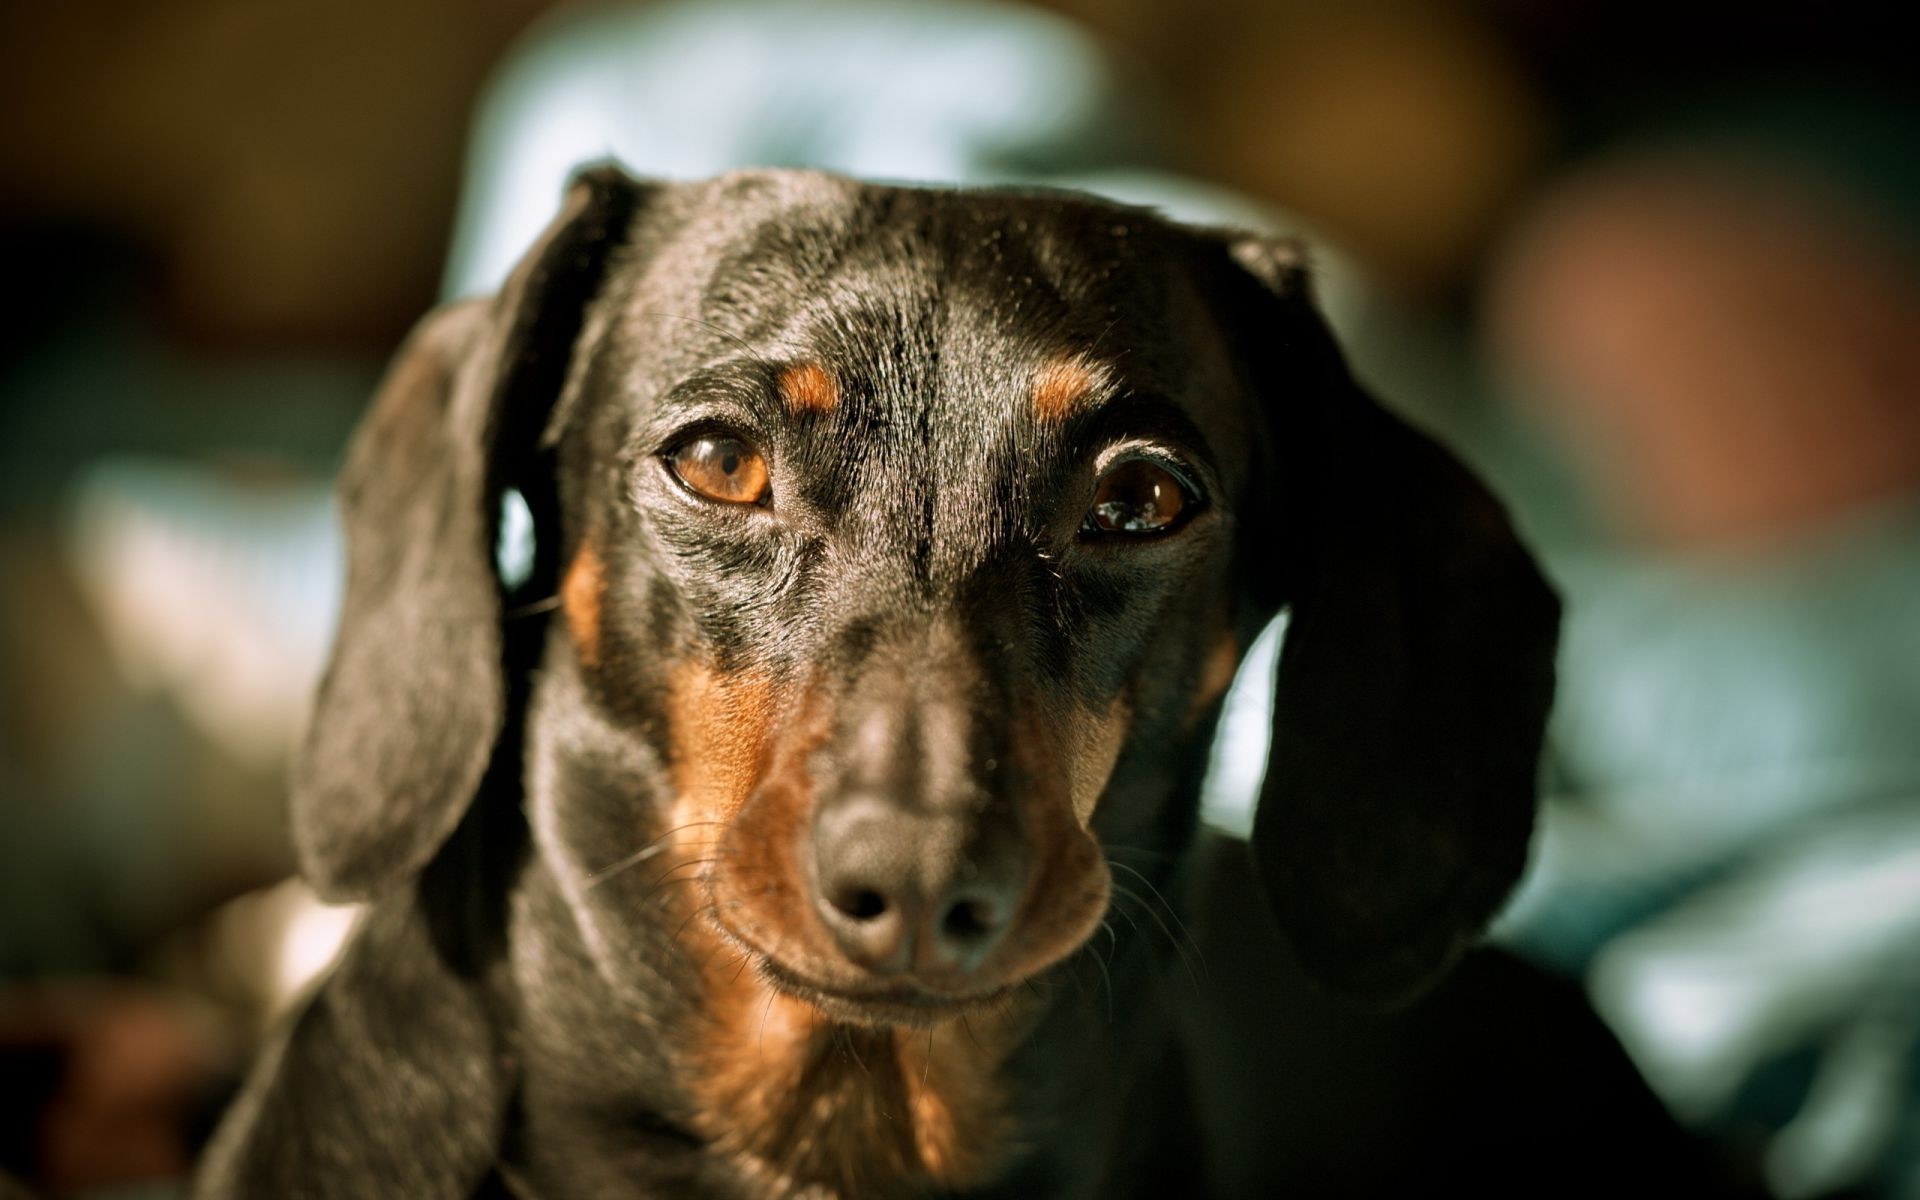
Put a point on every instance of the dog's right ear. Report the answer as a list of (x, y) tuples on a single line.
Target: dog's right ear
[(415, 695)]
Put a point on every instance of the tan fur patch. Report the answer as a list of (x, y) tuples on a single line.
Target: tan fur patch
[(718, 729), (956, 1095), (809, 387), (580, 594), (1063, 384), (1097, 740), (759, 885), (855, 1111), (1216, 673)]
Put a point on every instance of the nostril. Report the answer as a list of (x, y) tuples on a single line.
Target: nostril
[(869, 925), (862, 904), (968, 920)]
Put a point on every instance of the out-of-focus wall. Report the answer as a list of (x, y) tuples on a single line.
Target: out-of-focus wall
[(290, 167)]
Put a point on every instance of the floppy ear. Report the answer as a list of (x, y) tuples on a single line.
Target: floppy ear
[(1417, 669), (415, 695)]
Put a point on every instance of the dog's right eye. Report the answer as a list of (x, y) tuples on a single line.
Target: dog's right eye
[(721, 467)]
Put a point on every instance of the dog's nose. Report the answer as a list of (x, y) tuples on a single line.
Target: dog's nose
[(910, 892)]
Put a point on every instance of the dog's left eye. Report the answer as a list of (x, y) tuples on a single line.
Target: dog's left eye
[(721, 467), (1137, 496)]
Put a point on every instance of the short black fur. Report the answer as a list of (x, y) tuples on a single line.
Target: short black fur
[(519, 1011)]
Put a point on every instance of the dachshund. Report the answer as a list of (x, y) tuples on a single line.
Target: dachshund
[(817, 814)]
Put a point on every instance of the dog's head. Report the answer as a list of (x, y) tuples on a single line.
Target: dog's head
[(905, 542)]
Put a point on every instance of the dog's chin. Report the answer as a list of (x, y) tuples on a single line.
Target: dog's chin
[(884, 1005)]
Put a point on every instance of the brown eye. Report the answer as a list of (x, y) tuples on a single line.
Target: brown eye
[(1137, 497), (722, 468)]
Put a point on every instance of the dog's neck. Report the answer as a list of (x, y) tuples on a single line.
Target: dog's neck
[(779, 1099)]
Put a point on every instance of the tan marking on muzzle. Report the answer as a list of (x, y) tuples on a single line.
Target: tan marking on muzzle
[(580, 594), (770, 1081), (718, 726), (1097, 740), (1216, 673)]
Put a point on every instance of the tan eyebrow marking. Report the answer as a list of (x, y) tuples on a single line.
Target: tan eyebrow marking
[(809, 388), (1063, 384)]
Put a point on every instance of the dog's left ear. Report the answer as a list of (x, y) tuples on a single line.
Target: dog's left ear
[(1417, 669), (415, 694)]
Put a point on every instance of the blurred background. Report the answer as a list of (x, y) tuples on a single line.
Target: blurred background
[(1652, 268)]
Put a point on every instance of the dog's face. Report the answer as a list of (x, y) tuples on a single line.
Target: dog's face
[(905, 542), (893, 522)]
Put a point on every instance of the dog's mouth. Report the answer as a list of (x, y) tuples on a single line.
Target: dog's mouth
[(882, 1006)]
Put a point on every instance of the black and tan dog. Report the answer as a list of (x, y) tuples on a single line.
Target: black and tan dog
[(836, 835)]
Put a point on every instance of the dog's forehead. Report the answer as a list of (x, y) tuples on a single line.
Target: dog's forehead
[(947, 297)]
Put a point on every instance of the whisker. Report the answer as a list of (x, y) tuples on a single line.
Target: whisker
[(663, 881), (1122, 913), (1165, 904), (1113, 941), (1179, 947), (533, 608), (1140, 851), (766, 1010), (722, 947), (595, 878), (702, 909), (1106, 978), (854, 1050)]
